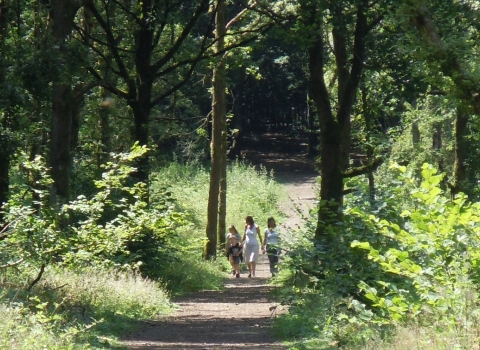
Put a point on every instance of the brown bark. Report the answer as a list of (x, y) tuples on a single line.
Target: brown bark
[(335, 128), (217, 143), (64, 104), (222, 109)]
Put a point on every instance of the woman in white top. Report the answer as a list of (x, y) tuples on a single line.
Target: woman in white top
[(251, 247), (272, 245)]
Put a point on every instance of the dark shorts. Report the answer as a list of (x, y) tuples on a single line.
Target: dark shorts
[(236, 259)]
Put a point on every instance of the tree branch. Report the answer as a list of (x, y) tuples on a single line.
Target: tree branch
[(12, 264), (39, 276), (364, 169)]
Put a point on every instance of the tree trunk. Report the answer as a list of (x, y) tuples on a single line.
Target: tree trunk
[(218, 135), (370, 155), (60, 151), (222, 208), (313, 141), (5, 148), (141, 114), (64, 105), (142, 105), (335, 135), (459, 166), (105, 130)]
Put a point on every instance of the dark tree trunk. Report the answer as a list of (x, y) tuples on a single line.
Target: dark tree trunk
[(335, 135), (60, 151), (64, 105), (218, 159), (141, 114), (459, 166), (142, 105)]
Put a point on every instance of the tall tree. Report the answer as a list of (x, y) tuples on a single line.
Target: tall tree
[(467, 85), (5, 153), (151, 57), (65, 101), (217, 199), (219, 108), (347, 28)]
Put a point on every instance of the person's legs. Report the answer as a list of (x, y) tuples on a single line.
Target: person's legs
[(248, 251), (236, 266), (255, 253), (273, 260), (232, 262)]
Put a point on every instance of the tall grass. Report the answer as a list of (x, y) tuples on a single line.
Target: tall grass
[(70, 310), (20, 330), (249, 192)]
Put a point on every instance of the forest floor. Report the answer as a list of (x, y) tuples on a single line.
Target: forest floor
[(239, 317)]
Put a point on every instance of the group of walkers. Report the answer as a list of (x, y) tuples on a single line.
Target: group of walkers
[(247, 248)]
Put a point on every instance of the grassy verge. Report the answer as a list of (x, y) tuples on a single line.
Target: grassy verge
[(70, 310)]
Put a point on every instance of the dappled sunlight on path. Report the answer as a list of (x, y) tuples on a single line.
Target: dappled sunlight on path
[(238, 317)]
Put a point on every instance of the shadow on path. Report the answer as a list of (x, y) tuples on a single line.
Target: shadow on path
[(238, 317)]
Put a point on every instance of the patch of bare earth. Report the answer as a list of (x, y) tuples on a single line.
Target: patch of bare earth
[(240, 316)]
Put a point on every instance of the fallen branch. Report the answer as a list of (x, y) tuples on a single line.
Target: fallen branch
[(12, 264)]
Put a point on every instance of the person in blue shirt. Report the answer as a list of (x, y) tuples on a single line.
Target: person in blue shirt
[(271, 245)]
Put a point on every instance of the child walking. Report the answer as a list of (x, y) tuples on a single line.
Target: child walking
[(234, 253)]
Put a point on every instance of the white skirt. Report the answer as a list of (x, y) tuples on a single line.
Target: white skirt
[(251, 253)]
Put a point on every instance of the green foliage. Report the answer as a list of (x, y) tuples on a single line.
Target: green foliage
[(319, 281), (409, 263), (77, 310), (434, 250), (250, 192), (20, 330), (113, 227), (189, 273), (429, 114)]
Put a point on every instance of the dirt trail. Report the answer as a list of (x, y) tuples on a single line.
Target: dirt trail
[(235, 318), (238, 317)]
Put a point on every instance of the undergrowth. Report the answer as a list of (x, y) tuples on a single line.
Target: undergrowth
[(399, 275), (249, 192)]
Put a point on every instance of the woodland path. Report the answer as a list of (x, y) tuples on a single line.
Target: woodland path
[(239, 316)]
